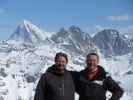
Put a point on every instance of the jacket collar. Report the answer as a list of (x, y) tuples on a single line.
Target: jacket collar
[(53, 70)]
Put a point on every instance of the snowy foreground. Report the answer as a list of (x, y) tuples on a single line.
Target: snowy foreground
[(21, 68), (30, 51)]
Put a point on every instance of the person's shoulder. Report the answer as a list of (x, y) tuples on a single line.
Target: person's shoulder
[(70, 71), (83, 70), (46, 73), (50, 70), (101, 68), (42, 77), (74, 73), (102, 71), (45, 76)]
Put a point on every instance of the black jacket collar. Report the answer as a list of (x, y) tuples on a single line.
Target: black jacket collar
[(53, 70)]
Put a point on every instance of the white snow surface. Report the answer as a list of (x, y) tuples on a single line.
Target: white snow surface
[(22, 64)]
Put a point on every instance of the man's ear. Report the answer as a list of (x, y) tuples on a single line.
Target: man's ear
[(86, 61), (55, 60), (66, 62), (97, 61)]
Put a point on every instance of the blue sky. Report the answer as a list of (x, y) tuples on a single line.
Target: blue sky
[(51, 15)]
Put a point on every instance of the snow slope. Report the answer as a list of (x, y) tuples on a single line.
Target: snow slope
[(23, 60)]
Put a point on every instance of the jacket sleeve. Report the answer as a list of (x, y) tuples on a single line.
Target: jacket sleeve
[(40, 92), (114, 88), (75, 76)]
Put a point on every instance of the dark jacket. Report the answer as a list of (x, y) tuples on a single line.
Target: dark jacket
[(96, 89), (53, 86)]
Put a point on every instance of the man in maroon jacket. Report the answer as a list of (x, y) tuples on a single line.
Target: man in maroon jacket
[(92, 83)]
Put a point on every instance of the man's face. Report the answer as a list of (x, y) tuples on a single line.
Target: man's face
[(92, 61), (61, 64)]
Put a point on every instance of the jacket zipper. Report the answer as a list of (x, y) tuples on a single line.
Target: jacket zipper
[(63, 91)]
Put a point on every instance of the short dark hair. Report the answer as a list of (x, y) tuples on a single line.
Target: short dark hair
[(90, 54), (61, 54)]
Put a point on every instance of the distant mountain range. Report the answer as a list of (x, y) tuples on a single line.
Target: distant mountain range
[(109, 41), (29, 51)]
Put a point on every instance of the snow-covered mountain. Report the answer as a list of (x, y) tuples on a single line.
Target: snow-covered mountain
[(74, 40), (21, 68), (28, 32), (23, 59), (111, 43)]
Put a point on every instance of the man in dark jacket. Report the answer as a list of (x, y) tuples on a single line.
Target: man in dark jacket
[(56, 83), (93, 82)]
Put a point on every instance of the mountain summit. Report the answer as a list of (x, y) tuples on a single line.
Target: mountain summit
[(28, 32), (73, 39), (111, 42)]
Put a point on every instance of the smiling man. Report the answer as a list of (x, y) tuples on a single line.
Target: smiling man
[(93, 82), (56, 83)]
